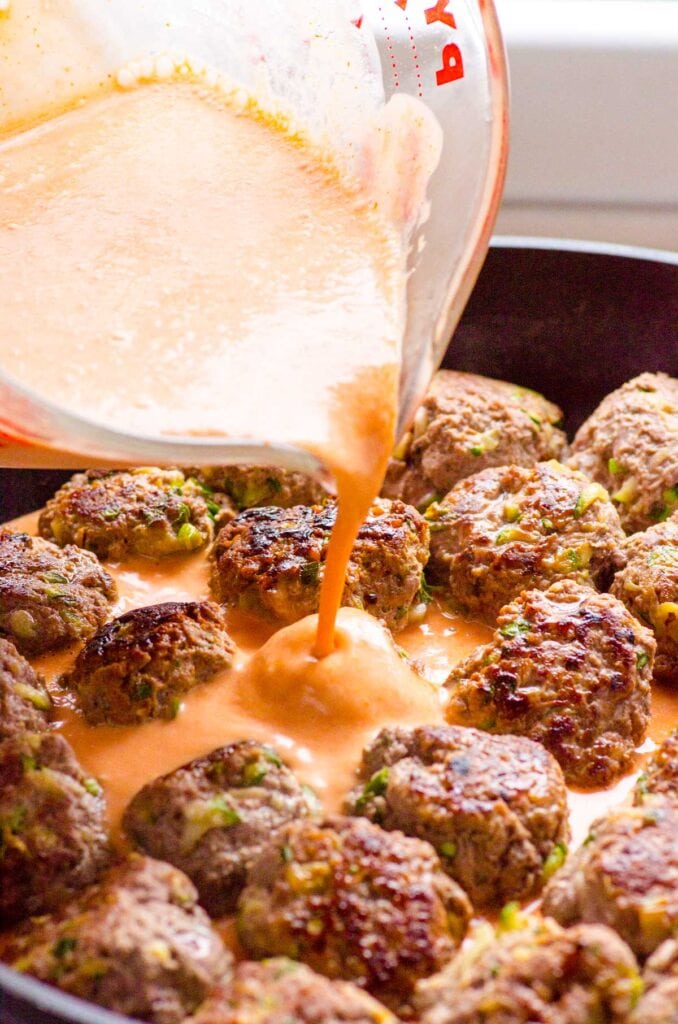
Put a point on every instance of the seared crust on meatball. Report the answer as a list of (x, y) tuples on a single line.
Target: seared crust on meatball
[(53, 837), (624, 875), (661, 771), (259, 486), (271, 561), (213, 816), (659, 1004), (537, 973), (140, 665), (467, 423), (50, 597), (136, 943), (630, 446), (567, 667), (151, 512), (649, 587), (24, 701), (494, 807), (279, 991), (504, 530), (354, 902)]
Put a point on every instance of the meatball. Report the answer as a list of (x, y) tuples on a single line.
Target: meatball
[(630, 446), (649, 587), (24, 701), (213, 816), (661, 771), (151, 512), (258, 486), (659, 1004), (280, 991), (494, 807), (53, 837), (353, 902), (271, 561), (536, 972), (624, 875), (504, 530), (140, 665), (50, 597), (467, 423), (136, 943), (567, 667)]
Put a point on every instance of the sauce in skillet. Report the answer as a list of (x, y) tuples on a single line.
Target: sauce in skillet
[(324, 748), (283, 309)]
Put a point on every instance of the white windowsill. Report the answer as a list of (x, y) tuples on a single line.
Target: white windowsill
[(594, 138)]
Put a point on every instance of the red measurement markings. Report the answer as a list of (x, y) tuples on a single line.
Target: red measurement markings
[(391, 51), (451, 59), (415, 55)]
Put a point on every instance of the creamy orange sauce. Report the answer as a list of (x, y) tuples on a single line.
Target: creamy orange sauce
[(321, 725), (171, 263), (178, 264), (319, 713)]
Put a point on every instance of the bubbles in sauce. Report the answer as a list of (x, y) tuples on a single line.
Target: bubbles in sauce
[(319, 714), (281, 313)]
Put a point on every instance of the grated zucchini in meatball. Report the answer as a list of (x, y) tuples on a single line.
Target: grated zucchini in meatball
[(140, 665), (661, 771), (630, 446), (648, 586), (259, 486), (53, 837), (509, 529), (624, 875), (150, 512), (137, 943), (24, 701), (281, 991), (271, 561), (467, 423), (534, 973), (569, 668), (659, 1004), (494, 807), (214, 815), (49, 596), (353, 902)]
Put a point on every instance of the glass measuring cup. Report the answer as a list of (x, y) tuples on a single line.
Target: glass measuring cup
[(351, 75)]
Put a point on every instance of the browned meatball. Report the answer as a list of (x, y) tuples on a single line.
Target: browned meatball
[(649, 587), (52, 825), (213, 816), (567, 667), (50, 597), (661, 771), (24, 701), (140, 665), (659, 1004), (353, 902), (504, 530), (536, 974), (281, 991), (259, 486), (151, 512), (136, 943), (630, 446), (467, 423), (624, 875), (494, 807), (271, 561)]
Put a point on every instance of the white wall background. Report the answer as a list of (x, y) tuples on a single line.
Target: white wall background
[(594, 138)]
